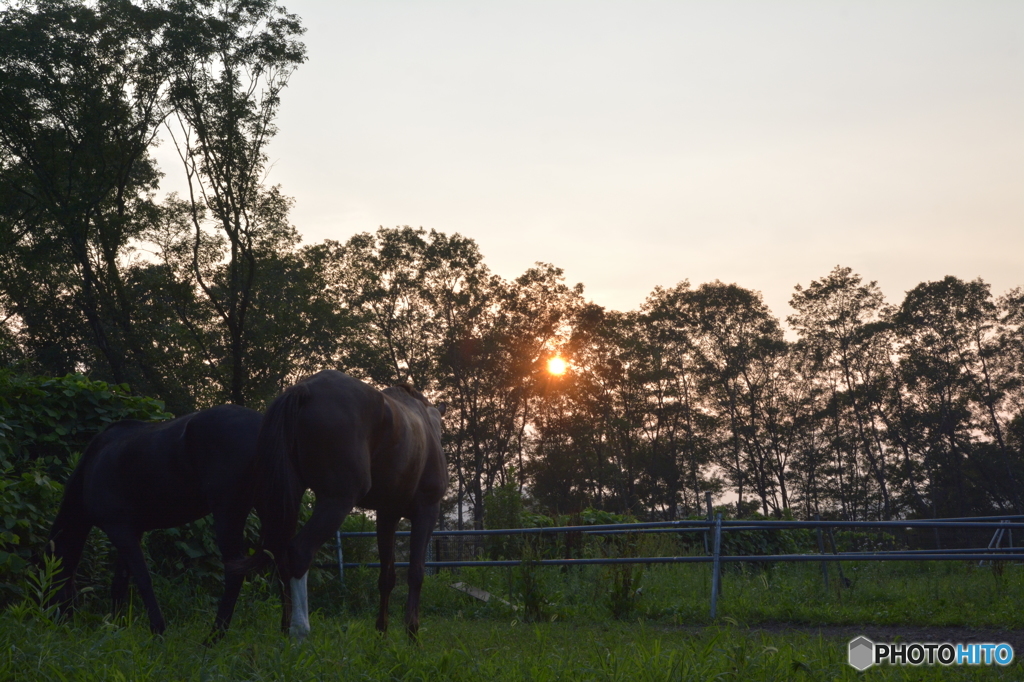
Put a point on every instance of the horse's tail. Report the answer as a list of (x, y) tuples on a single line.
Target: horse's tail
[(278, 486)]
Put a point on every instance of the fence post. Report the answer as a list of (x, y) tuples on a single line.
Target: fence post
[(707, 501), (716, 581), (997, 539), (821, 550), (341, 558)]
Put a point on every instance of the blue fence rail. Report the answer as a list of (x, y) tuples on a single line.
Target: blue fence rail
[(715, 528)]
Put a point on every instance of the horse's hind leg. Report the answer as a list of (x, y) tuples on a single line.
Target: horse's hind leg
[(126, 541), (328, 513), (386, 527), (422, 526)]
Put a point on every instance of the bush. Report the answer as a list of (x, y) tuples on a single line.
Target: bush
[(599, 517), (49, 421), (45, 423), (28, 503)]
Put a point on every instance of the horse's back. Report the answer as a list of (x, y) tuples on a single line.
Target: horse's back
[(408, 465), (166, 474), (219, 446)]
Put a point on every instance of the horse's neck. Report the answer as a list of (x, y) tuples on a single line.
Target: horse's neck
[(67, 533)]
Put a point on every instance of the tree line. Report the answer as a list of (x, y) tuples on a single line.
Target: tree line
[(867, 410)]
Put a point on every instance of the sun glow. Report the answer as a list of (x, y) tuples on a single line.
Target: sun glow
[(557, 366)]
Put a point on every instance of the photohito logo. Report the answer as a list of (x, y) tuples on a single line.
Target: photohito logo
[(863, 653)]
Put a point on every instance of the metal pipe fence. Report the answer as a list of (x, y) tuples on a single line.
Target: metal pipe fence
[(716, 557)]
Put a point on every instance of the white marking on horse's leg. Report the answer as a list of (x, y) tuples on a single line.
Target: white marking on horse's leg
[(300, 608)]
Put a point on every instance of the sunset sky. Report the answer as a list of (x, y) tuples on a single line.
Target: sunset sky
[(638, 143)]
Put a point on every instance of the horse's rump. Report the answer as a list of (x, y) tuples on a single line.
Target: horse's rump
[(353, 446)]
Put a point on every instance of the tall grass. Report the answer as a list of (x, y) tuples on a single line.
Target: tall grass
[(666, 636), (940, 594)]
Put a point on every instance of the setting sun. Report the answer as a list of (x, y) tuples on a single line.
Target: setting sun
[(557, 366)]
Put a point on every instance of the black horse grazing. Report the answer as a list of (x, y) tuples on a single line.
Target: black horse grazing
[(137, 476), (352, 445)]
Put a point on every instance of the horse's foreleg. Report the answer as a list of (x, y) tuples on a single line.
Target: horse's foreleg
[(126, 541), (386, 527), (328, 513), (286, 601), (119, 584), (422, 527)]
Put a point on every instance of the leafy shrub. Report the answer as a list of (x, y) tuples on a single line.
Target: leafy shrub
[(45, 423), (768, 541), (28, 503), (624, 580), (358, 550), (50, 420), (855, 540), (599, 517), (503, 506), (531, 520)]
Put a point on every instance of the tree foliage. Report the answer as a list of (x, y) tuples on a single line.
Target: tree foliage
[(865, 410), (81, 98)]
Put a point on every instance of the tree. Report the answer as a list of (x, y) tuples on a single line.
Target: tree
[(956, 390), (230, 62), (295, 327), (494, 372), (81, 98), (404, 287), (737, 349), (837, 319)]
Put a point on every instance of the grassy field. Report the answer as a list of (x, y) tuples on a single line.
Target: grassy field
[(767, 628)]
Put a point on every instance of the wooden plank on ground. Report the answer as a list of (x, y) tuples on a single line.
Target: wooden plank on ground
[(482, 595)]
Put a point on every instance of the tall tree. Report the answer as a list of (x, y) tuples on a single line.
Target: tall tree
[(231, 60), (836, 318), (957, 391), (404, 286), (294, 325), (494, 369), (81, 98)]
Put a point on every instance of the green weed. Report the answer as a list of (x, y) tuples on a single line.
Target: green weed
[(668, 638)]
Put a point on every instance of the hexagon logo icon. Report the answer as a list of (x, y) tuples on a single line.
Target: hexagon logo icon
[(862, 653)]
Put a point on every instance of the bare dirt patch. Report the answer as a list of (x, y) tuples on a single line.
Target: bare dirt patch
[(894, 633)]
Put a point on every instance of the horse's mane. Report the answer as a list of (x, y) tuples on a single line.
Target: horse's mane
[(408, 388)]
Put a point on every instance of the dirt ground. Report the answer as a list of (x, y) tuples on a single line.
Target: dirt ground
[(891, 633)]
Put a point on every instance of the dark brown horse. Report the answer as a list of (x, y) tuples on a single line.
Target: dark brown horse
[(137, 476), (352, 445)]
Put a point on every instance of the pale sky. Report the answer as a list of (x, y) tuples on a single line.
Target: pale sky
[(637, 144)]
